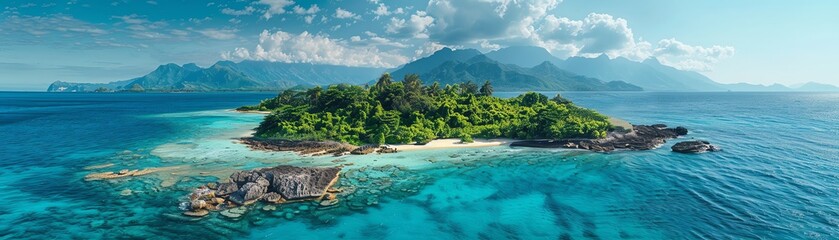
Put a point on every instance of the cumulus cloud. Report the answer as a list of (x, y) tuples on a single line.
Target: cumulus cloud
[(486, 45), (381, 10), (303, 11), (275, 7), (246, 11), (282, 46), (490, 24), (594, 35), (416, 26), (467, 21), (343, 14), (686, 57), (309, 19), (604, 34), (429, 48)]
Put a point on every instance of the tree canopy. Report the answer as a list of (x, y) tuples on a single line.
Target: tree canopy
[(408, 111)]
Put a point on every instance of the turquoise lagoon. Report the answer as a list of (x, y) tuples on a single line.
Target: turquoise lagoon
[(777, 177)]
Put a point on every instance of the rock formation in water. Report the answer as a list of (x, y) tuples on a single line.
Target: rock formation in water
[(641, 137), (275, 185), (302, 147), (696, 146), (315, 147)]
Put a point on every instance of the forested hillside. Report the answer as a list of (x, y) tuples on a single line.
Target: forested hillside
[(409, 111)]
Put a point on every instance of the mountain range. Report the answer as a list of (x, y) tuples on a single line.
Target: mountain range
[(448, 66), (230, 76), (516, 68)]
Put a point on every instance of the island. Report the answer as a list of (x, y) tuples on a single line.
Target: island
[(347, 118)]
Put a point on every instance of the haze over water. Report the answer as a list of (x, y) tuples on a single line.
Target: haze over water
[(776, 178)]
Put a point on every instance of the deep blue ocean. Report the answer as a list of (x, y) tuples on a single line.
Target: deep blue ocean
[(776, 178)]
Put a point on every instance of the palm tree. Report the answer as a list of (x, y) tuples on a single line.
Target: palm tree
[(486, 89)]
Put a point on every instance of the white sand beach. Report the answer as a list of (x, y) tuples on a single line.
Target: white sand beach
[(452, 143)]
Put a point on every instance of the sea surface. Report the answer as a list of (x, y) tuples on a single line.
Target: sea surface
[(776, 178)]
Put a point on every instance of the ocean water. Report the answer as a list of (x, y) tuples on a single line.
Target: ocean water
[(776, 178)]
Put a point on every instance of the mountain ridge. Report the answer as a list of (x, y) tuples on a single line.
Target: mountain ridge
[(229, 76), (525, 64)]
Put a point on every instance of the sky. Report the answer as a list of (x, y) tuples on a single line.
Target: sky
[(762, 42)]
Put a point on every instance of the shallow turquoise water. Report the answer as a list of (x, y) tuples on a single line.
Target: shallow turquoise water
[(777, 178)]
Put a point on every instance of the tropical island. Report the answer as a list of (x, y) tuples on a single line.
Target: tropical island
[(337, 118)]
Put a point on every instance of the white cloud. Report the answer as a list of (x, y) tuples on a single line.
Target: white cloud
[(246, 11), (467, 21), (275, 7), (604, 34), (180, 33), (416, 26), (380, 41), (343, 14), (303, 11), (314, 48), (309, 19), (686, 57), (141, 28), (355, 39), (486, 45), (592, 36), (219, 34), (381, 10), (429, 48), (199, 20)]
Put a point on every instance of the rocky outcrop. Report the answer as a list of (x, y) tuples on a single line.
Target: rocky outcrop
[(226, 188), (294, 183), (274, 185), (696, 146), (302, 147), (366, 149), (642, 137)]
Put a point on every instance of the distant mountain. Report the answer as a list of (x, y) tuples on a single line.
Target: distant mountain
[(650, 74), (523, 56), (806, 87), (434, 60), (230, 76), (506, 77), (748, 87), (816, 87)]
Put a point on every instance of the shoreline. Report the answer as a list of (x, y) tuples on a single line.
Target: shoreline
[(252, 111), (447, 143)]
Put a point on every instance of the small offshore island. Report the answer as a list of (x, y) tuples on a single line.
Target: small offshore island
[(354, 119)]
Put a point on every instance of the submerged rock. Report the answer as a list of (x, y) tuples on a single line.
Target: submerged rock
[(125, 173), (697, 146), (126, 192), (234, 212), (197, 213)]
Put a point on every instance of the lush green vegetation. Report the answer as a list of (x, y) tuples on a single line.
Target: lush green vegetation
[(408, 111)]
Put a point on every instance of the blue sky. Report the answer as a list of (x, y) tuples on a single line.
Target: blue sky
[(97, 41)]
